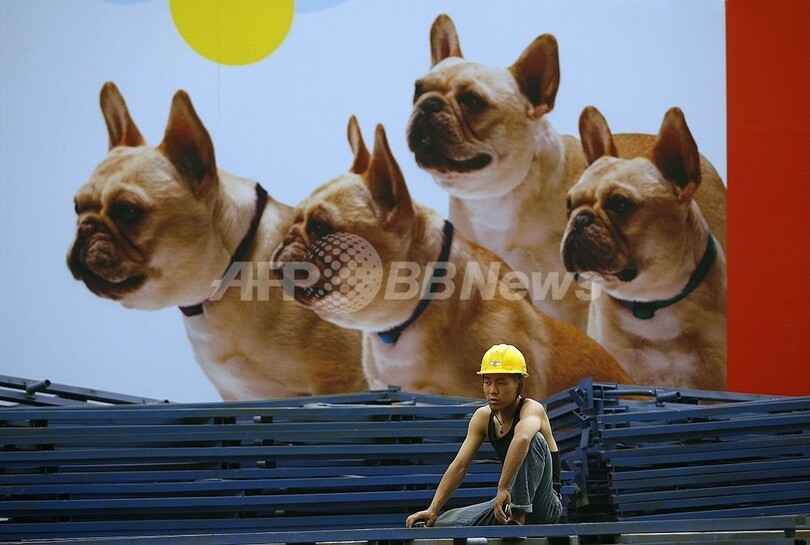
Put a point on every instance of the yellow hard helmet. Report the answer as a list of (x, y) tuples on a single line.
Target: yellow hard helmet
[(503, 358)]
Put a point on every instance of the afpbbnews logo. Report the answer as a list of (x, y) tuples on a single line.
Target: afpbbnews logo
[(351, 275)]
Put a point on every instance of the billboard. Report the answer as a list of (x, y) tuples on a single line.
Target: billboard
[(274, 84)]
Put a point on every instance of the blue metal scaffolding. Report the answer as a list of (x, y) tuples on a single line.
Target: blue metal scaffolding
[(82, 464)]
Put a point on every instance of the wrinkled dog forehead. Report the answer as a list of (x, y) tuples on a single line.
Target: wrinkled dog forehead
[(112, 171), (637, 177), (346, 192), (448, 63), (458, 74), (139, 170)]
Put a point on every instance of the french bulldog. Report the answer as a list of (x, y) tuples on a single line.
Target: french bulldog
[(483, 134), (636, 229), (428, 339), (157, 226)]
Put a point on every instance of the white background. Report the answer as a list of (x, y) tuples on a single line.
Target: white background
[(281, 121)]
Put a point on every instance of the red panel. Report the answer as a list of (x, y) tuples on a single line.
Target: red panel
[(768, 67)]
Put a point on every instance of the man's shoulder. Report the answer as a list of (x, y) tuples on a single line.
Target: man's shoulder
[(480, 420), (531, 406), (482, 411)]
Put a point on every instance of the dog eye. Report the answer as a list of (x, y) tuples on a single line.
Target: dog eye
[(417, 91), (619, 204), (81, 206), (126, 214), (318, 229), (472, 101)]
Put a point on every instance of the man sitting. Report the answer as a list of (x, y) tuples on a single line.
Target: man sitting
[(519, 430)]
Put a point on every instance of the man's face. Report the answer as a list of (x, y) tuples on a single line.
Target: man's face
[(500, 389)]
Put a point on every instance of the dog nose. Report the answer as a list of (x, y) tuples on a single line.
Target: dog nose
[(86, 228), (583, 220), (432, 105)]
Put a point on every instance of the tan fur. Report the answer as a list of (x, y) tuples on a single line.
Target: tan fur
[(441, 351), (193, 217), (662, 237), (513, 204)]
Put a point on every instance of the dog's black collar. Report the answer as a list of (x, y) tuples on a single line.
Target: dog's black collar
[(392, 335), (644, 310), (243, 248)]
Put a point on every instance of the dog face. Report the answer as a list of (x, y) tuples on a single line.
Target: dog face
[(627, 216), (472, 124), (369, 205), (144, 227)]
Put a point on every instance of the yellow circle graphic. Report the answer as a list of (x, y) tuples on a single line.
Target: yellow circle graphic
[(234, 32)]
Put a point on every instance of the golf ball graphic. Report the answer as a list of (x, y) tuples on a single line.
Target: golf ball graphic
[(351, 276)]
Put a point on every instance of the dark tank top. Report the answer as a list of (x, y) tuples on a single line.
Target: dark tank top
[(501, 444)]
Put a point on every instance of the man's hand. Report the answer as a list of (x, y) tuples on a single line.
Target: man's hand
[(502, 501), (427, 516)]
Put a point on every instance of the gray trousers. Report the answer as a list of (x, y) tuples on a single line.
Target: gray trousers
[(532, 492)]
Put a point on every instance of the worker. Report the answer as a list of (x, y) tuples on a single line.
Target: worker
[(520, 432)]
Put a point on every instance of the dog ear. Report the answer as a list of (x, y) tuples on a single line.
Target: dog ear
[(361, 155), (676, 154), (121, 128), (188, 146), (537, 72), (597, 140), (387, 184), (443, 40)]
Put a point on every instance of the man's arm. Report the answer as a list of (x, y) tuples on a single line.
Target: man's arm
[(533, 419), (456, 471), (545, 429)]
